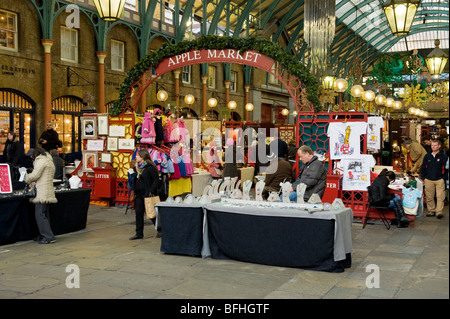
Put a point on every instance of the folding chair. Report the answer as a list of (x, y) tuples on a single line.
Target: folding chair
[(379, 209)]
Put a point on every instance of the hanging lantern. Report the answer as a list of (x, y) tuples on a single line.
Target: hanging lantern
[(436, 60), (212, 102), (328, 80), (341, 85), (357, 91), (249, 107), (389, 102), (380, 99), (162, 95), (285, 112), (110, 10), (400, 15)]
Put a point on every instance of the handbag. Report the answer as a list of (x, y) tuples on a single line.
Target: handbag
[(29, 192), (150, 203)]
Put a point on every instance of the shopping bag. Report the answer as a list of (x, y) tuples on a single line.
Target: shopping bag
[(150, 203)]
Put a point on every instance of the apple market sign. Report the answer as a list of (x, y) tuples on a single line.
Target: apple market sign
[(251, 58)]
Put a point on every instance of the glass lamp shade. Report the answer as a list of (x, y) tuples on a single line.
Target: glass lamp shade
[(162, 95), (232, 105), (249, 107), (389, 102), (189, 99), (400, 15), (285, 112), (368, 96), (411, 110), (380, 99), (436, 60), (110, 10), (341, 85), (398, 105), (328, 82), (212, 102), (357, 91)]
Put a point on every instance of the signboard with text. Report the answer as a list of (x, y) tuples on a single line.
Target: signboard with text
[(5, 179)]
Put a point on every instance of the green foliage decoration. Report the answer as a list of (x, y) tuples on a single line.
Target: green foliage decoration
[(265, 47)]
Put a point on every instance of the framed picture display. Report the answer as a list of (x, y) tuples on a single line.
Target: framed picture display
[(103, 124), (90, 160), (112, 144), (126, 144), (95, 145), (116, 130), (106, 157), (88, 128)]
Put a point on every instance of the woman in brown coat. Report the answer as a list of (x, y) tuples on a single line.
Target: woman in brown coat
[(42, 176)]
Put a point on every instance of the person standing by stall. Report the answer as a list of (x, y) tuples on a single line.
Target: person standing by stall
[(11, 155), (49, 139), (42, 176), (433, 170), (145, 185), (417, 153)]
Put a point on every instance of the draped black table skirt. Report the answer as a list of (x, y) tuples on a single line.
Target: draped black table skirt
[(17, 220)]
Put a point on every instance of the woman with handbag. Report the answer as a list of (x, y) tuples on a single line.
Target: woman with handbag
[(145, 185), (42, 176)]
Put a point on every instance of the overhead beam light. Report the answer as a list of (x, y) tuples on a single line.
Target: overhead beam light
[(400, 15), (436, 60), (110, 10)]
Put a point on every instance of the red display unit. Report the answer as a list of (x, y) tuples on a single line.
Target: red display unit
[(105, 182)]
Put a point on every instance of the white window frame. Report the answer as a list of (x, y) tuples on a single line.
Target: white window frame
[(69, 45), (119, 56), (212, 77), (186, 72), (233, 79), (8, 31), (272, 78)]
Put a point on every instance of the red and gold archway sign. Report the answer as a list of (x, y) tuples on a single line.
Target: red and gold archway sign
[(252, 58)]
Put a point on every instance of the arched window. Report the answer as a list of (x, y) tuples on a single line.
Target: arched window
[(17, 114)]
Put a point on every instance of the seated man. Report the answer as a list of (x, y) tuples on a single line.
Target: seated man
[(282, 174), (313, 174)]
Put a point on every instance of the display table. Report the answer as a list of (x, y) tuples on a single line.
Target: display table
[(181, 228), (271, 236), (17, 219), (199, 182)]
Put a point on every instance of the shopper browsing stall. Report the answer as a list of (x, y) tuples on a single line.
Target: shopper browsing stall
[(49, 139), (42, 176), (417, 153), (146, 185)]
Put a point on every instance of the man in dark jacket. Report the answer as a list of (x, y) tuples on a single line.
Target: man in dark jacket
[(433, 170), (49, 139), (313, 174)]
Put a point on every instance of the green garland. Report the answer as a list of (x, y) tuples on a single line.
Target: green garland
[(265, 47)]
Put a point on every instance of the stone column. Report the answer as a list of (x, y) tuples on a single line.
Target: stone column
[(177, 88), (247, 113), (47, 44)]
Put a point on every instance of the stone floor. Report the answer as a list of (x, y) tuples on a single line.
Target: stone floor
[(413, 263)]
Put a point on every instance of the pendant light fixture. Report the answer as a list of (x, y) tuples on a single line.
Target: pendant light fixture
[(400, 15), (436, 60), (110, 10)]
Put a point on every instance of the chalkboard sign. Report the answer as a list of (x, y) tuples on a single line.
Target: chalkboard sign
[(5, 179)]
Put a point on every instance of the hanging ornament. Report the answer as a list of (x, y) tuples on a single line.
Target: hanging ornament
[(319, 27), (413, 95)]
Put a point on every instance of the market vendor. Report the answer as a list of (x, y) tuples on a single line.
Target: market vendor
[(282, 174), (313, 174), (416, 152)]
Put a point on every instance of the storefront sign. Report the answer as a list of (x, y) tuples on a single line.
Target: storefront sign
[(251, 58), (11, 70)]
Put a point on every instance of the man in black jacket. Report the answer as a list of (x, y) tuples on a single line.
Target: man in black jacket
[(49, 139), (433, 173), (313, 174)]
